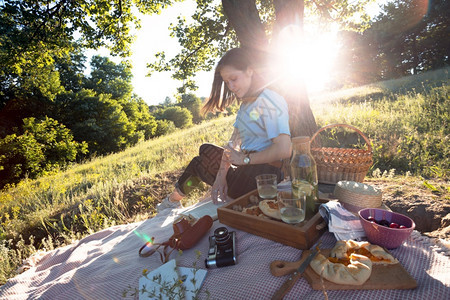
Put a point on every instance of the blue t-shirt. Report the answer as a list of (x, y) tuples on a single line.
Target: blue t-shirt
[(260, 121)]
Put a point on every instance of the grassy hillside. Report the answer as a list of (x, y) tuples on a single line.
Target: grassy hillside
[(406, 120), (61, 207)]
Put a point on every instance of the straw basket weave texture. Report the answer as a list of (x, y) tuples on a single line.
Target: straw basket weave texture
[(356, 195), (336, 164)]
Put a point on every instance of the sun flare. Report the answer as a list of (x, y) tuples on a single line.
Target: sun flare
[(309, 57)]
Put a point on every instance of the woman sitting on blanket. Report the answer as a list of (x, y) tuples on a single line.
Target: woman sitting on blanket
[(260, 140)]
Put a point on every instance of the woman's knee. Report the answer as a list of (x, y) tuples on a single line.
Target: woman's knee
[(210, 152), (208, 147)]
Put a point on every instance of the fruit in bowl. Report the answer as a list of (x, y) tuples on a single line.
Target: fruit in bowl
[(385, 228)]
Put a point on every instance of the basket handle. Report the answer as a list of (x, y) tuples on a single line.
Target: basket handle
[(344, 125)]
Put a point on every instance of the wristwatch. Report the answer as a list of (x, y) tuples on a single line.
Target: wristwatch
[(247, 159)]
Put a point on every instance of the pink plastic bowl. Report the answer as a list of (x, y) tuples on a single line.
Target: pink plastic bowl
[(387, 237)]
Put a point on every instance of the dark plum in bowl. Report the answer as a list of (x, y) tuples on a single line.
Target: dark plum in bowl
[(385, 228)]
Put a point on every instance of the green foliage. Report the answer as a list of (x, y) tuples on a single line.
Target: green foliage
[(93, 116), (71, 68), (164, 127), (412, 36), (407, 37), (232, 109), (57, 142), (100, 121), (36, 35), (109, 78), (138, 113), (42, 65), (210, 34), (194, 105), (28, 73), (19, 156), (94, 216), (181, 117), (44, 146)]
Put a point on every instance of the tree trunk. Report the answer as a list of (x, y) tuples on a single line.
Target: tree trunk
[(288, 12), (301, 118), (244, 17)]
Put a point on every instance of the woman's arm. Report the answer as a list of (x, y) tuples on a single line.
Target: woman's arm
[(220, 187), (235, 141), (280, 149)]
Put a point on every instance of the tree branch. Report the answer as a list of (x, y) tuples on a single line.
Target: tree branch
[(47, 15), (227, 29)]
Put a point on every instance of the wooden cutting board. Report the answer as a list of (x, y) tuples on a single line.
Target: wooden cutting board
[(390, 277)]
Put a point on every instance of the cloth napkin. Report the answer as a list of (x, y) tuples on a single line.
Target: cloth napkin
[(342, 223)]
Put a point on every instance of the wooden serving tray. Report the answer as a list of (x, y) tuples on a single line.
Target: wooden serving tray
[(300, 236), (388, 277)]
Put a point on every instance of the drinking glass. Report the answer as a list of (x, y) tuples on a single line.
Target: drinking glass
[(292, 207), (267, 186)]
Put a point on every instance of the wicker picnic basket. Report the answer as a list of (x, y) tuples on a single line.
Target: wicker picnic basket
[(336, 164)]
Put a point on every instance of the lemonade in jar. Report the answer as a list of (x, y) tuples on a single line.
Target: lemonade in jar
[(304, 173)]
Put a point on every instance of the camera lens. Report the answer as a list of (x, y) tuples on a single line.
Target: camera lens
[(222, 236)]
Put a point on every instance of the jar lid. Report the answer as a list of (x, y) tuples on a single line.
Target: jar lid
[(300, 139)]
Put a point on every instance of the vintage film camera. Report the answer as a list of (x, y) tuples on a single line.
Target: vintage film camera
[(222, 249)]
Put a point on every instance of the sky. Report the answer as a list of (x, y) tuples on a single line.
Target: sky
[(154, 37)]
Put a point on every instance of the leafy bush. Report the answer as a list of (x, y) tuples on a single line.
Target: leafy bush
[(181, 117), (19, 156), (164, 127), (194, 105), (44, 146), (56, 142), (138, 114), (98, 120)]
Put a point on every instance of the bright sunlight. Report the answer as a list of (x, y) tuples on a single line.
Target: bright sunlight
[(308, 57)]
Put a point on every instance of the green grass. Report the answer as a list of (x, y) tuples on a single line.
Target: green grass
[(409, 132), (407, 126)]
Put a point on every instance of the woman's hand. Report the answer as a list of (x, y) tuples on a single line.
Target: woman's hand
[(233, 157), (219, 189)]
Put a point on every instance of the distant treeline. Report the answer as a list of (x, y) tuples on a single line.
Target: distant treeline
[(408, 37)]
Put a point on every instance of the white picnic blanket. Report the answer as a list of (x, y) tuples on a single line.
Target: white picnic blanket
[(106, 265)]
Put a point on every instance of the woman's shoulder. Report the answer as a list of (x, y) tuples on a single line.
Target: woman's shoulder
[(271, 96), (270, 93)]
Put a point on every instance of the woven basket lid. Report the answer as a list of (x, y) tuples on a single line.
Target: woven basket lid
[(355, 196)]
